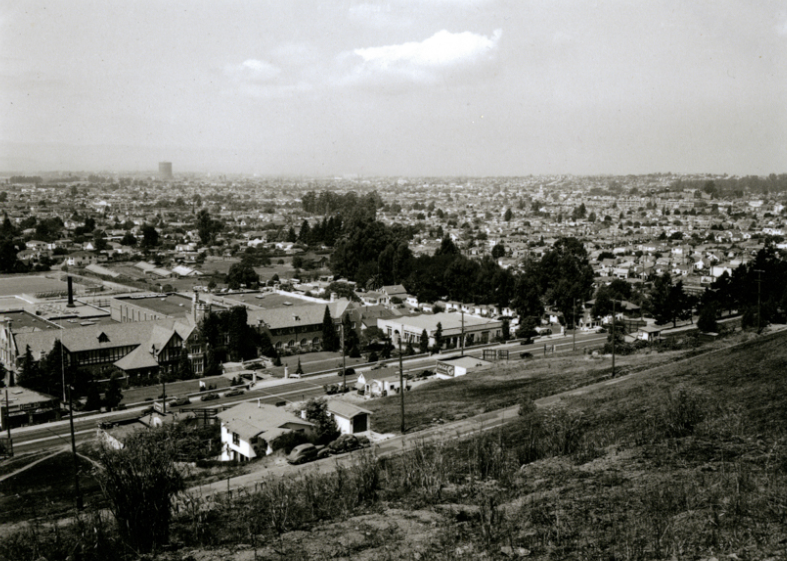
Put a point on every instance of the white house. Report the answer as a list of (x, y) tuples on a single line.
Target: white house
[(349, 417), (249, 423)]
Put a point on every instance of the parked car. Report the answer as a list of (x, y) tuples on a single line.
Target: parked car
[(179, 402), (526, 355), (209, 397), (348, 443), (543, 331), (234, 392), (303, 453)]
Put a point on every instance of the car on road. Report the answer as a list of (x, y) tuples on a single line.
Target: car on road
[(543, 331), (234, 392), (303, 453), (377, 366), (348, 443), (209, 397), (350, 371), (179, 402)]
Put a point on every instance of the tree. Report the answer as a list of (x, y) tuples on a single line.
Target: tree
[(29, 373), (498, 251), (185, 371), (351, 339), (242, 338), (242, 273), (149, 237), (128, 239), (299, 369), (139, 482), (207, 227), (423, 344), (508, 215), (94, 401), (505, 330), (527, 328), (325, 427), (438, 336), (330, 340), (113, 395), (9, 249), (707, 320), (564, 275)]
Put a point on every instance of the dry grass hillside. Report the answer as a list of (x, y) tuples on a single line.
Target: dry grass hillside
[(688, 461)]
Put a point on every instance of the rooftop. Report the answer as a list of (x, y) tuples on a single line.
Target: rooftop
[(172, 305)]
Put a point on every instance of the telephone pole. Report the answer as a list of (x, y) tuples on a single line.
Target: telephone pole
[(759, 298), (614, 336), (401, 376), (7, 422), (74, 450), (574, 336), (344, 363), (463, 328)]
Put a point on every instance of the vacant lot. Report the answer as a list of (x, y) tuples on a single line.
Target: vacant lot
[(502, 385)]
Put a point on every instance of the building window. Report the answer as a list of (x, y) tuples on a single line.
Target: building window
[(236, 439)]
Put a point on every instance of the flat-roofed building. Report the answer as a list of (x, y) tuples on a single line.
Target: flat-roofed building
[(476, 330)]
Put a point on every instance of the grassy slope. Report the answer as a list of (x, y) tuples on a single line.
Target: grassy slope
[(501, 386), (687, 462)]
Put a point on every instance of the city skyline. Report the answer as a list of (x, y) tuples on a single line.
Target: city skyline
[(401, 88)]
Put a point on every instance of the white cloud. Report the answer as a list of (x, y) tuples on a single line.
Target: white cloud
[(252, 71), (441, 49)]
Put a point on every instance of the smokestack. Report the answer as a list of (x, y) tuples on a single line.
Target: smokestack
[(70, 293)]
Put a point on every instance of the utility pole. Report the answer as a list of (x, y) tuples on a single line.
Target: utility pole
[(7, 422), (62, 369), (162, 377), (574, 337), (614, 336), (74, 451), (344, 363), (759, 297), (463, 328), (401, 376)]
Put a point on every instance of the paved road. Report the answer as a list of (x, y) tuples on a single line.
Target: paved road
[(50, 435)]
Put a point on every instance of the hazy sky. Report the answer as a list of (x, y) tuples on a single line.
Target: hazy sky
[(403, 87)]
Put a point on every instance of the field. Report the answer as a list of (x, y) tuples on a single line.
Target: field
[(686, 461), (503, 385)]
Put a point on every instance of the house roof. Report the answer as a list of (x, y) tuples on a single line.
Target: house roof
[(290, 316), (346, 409), (250, 419), (137, 359)]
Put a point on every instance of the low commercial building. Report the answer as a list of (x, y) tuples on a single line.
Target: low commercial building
[(26, 407), (459, 366), (475, 330)]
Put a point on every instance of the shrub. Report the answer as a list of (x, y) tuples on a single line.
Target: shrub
[(526, 406), (682, 412), (139, 481), (288, 441)]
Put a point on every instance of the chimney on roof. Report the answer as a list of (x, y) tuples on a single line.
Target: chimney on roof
[(70, 293)]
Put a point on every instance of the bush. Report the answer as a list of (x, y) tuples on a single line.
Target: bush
[(526, 406), (288, 441), (683, 410), (139, 481)]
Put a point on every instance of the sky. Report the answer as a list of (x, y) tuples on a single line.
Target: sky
[(396, 88)]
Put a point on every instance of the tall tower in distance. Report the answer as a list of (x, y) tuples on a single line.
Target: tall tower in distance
[(165, 170)]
